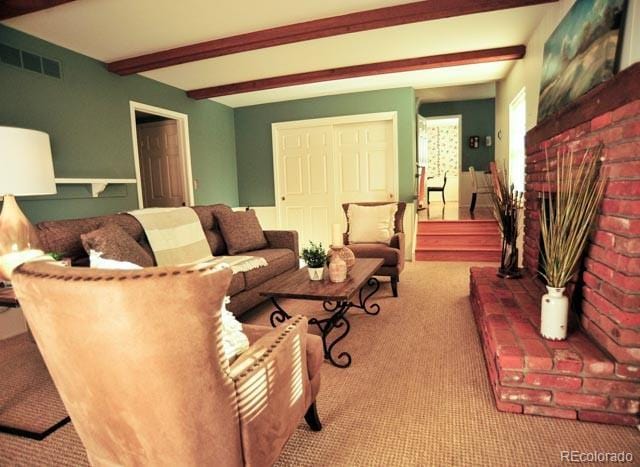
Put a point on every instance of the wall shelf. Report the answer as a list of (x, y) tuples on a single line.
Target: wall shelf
[(98, 185)]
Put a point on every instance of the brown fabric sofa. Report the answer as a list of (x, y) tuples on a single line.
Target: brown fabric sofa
[(150, 384), (63, 237)]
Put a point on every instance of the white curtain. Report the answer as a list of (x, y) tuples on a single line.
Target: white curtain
[(442, 148)]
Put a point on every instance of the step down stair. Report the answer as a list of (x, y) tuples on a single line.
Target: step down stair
[(458, 240)]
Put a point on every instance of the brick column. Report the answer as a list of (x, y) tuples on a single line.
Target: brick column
[(611, 271)]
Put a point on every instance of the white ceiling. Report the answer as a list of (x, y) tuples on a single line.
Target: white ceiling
[(109, 30), (451, 76), (457, 93)]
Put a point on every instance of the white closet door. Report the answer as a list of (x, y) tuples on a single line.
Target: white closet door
[(365, 161), (305, 178), (320, 164)]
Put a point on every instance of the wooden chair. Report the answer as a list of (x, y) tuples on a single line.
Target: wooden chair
[(438, 188), (477, 189)]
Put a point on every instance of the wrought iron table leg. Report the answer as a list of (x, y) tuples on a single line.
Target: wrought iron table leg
[(337, 320), (279, 315), (330, 306), (370, 309)]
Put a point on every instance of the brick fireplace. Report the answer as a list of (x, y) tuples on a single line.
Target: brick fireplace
[(595, 374)]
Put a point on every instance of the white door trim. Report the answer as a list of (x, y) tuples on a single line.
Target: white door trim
[(360, 118), (182, 121)]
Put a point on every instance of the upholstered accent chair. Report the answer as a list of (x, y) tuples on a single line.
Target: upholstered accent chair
[(138, 360), (393, 254)]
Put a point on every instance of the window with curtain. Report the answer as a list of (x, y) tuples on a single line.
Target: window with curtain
[(442, 146)]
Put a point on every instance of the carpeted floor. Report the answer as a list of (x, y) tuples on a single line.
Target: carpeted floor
[(415, 394)]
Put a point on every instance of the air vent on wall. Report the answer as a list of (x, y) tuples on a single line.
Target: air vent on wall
[(30, 61)]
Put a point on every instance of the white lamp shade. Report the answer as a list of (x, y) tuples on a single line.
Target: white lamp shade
[(26, 166)]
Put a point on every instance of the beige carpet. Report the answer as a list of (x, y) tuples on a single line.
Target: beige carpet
[(28, 399), (415, 394)]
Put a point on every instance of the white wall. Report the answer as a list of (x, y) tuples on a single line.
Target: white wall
[(457, 93), (527, 72)]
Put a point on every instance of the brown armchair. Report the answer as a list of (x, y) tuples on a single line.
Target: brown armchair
[(138, 360), (392, 254)]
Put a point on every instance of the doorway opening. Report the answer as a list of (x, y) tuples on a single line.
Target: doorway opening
[(440, 152), (162, 156)]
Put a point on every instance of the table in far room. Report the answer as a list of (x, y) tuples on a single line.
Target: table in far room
[(337, 299)]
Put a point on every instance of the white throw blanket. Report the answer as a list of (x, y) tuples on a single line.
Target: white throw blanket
[(176, 237), (234, 340)]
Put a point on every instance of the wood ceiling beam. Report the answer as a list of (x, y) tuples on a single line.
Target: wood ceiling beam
[(13, 8), (393, 66), (353, 22)]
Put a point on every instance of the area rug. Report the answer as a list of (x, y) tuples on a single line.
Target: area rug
[(28, 399), (416, 394)]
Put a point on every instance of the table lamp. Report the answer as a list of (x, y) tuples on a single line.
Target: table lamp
[(26, 169)]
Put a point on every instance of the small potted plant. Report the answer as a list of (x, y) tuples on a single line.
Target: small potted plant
[(316, 258), (566, 219)]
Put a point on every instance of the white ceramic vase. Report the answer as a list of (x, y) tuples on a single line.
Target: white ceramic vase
[(315, 274), (337, 269), (554, 314)]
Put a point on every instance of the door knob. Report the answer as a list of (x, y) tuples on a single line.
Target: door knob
[(282, 198)]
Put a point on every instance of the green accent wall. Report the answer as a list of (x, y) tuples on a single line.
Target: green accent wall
[(254, 153), (478, 118), (87, 116)]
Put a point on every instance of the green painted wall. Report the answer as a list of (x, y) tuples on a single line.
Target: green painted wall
[(253, 136), (478, 118), (86, 114)]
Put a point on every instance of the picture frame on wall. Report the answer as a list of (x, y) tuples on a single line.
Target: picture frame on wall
[(582, 52)]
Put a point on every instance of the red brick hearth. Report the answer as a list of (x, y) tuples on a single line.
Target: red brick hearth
[(568, 379), (595, 374)]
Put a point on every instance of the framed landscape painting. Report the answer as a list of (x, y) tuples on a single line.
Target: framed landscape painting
[(581, 53)]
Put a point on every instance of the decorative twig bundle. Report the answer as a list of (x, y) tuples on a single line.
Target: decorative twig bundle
[(567, 216), (507, 205)]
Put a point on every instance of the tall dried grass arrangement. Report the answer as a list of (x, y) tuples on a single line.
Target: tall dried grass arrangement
[(570, 212), (507, 205)]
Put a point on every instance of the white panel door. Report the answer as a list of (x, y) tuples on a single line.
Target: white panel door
[(161, 168), (365, 161), (305, 178)]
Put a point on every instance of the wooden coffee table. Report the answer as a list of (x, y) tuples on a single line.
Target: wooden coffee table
[(336, 298)]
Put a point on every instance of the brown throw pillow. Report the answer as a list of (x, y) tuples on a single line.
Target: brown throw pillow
[(241, 231), (115, 243)]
